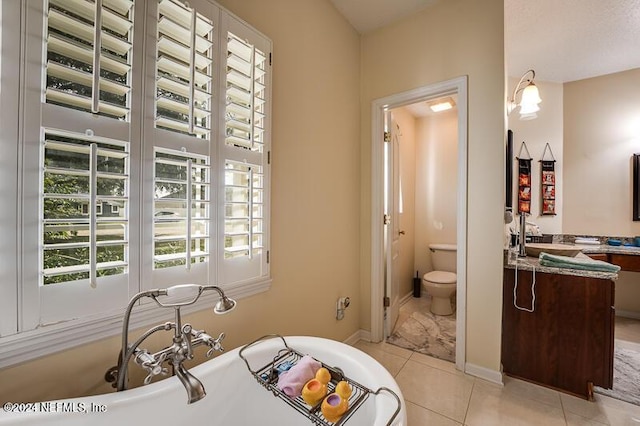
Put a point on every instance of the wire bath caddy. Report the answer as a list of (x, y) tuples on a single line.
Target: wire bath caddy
[(267, 377)]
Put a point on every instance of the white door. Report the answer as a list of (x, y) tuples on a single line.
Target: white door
[(392, 223)]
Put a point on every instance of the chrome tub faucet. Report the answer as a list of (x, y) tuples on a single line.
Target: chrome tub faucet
[(185, 338)]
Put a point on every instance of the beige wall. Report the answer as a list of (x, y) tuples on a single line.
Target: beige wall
[(547, 128), (450, 39), (437, 179), (601, 132), (407, 217), (315, 202)]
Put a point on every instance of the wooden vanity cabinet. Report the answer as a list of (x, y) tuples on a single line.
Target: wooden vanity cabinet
[(626, 262), (567, 342)]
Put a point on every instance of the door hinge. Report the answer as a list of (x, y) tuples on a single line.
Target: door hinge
[(269, 58), (387, 136), (267, 256), (386, 302), (268, 157), (386, 219)]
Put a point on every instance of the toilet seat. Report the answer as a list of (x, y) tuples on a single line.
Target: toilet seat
[(440, 277)]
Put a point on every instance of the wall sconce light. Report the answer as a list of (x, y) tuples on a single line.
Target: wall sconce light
[(529, 99)]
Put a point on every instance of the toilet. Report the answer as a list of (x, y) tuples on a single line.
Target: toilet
[(441, 282)]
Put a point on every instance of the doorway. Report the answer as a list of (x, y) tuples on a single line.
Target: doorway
[(379, 265)]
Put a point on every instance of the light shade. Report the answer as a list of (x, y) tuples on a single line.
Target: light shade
[(530, 100), (530, 97)]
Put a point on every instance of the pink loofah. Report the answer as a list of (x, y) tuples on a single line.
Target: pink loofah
[(291, 382)]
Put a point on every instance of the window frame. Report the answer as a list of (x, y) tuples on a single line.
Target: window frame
[(22, 336)]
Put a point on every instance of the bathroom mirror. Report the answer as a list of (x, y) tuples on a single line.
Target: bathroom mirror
[(591, 122)]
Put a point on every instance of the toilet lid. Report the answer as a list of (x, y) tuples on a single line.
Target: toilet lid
[(440, 277)]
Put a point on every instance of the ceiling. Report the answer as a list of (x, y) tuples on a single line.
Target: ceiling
[(562, 40)]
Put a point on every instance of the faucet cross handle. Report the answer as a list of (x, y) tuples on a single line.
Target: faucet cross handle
[(153, 366), (216, 345)]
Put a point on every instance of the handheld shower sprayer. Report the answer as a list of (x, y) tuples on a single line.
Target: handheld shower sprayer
[(184, 339)]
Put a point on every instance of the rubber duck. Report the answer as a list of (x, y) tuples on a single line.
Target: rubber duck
[(313, 391), (343, 389), (323, 375), (333, 407)]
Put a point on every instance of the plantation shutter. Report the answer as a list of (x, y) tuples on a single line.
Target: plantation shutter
[(180, 145), (181, 210), (85, 227), (184, 69), (84, 224), (89, 55), (79, 149), (245, 154)]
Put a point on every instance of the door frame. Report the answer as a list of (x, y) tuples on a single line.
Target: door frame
[(457, 86)]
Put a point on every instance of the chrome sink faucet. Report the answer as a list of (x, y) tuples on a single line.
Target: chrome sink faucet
[(185, 338)]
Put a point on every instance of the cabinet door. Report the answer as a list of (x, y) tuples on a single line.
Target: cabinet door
[(567, 341)]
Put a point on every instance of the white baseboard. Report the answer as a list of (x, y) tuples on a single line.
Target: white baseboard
[(628, 314), (406, 298), (484, 373), (358, 335)]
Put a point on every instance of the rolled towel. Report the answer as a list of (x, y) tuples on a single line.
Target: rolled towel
[(291, 382)]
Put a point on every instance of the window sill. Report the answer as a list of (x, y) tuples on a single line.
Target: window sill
[(53, 338)]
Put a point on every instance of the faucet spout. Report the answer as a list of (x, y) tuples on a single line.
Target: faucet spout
[(194, 387)]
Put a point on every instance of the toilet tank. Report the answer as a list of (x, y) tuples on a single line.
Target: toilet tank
[(443, 257)]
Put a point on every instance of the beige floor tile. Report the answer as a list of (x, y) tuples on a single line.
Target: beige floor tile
[(576, 420), (532, 391), (393, 363), (603, 410), (394, 350), (420, 416), (435, 362), (440, 391), (493, 405)]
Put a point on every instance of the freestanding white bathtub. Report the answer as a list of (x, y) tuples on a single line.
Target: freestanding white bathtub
[(234, 397)]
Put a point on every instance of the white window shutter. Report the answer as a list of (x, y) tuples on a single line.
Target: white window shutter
[(84, 222), (182, 196), (88, 66), (184, 69), (245, 154)]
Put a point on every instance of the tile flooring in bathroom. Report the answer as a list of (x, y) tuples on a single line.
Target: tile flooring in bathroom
[(436, 394)]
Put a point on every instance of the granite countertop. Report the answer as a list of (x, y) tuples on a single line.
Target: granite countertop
[(512, 261), (605, 248)]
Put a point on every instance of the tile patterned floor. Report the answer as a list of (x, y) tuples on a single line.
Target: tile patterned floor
[(436, 394)]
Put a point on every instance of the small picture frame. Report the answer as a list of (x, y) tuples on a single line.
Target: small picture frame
[(548, 185)]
